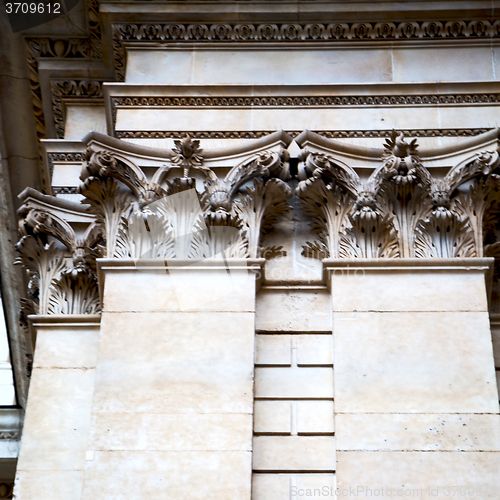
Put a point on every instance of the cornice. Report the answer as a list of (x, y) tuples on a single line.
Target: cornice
[(295, 10)]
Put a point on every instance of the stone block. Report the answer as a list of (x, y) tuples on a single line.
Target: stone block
[(292, 383), (179, 290), (270, 487), (442, 64), (311, 349), (294, 453), (423, 432), (301, 417), (387, 362), (404, 291), (227, 67), (315, 417), (66, 347), (495, 335), (471, 475), (48, 485), (291, 486), (314, 350), (272, 417), (57, 420), (199, 362), (170, 432), (81, 119), (197, 475), (273, 350), (294, 311)]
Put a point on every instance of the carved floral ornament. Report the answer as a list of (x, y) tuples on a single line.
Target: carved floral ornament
[(400, 210)]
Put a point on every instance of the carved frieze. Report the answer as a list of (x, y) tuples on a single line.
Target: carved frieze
[(170, 32)]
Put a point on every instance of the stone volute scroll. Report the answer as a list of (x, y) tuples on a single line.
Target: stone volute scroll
[(401, 208)]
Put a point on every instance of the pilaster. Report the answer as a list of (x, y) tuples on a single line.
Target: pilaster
[(173, 401), (54, 443), (416, 406)]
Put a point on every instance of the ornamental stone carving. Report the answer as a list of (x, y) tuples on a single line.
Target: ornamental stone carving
[(196, 204), (401, 210), (60, 264)]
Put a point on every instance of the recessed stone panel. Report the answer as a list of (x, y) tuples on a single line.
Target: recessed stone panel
[(286, 383), (293, 453), (293, 311)]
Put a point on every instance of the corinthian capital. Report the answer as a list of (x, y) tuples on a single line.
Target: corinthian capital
[(402, 209)]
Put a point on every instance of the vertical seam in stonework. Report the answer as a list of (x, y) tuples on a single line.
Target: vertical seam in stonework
[(392, 61), (493, 65)]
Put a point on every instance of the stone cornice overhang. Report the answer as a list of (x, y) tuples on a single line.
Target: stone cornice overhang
[(295, 11)]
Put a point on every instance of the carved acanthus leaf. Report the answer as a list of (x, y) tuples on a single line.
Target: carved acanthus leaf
[(44, 263), (328, 206), (493, 250), (260, 209), (183, 211), (109, 204), (74, 293), (370, 236), (219, 234), (475, 207), (444, 235), (408, 203), (145, 235)]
